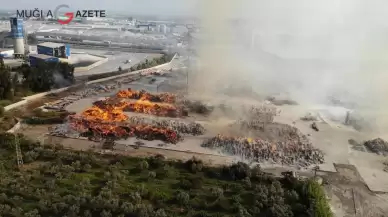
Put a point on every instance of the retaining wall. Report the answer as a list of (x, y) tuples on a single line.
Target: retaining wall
[(39, 95), (87, 68), (34, 97)]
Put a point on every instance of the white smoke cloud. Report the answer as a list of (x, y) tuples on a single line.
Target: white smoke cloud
[(308, 49)]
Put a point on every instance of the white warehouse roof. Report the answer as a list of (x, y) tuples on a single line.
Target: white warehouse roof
[(51, 44)]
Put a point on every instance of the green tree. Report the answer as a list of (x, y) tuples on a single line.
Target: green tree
[(183, 198), (2, 111), (6, 83)]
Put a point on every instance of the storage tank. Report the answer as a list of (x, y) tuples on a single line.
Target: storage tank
[(6, 53), (17, 34)]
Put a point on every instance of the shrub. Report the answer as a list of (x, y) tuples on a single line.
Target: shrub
[(319, 202), (5, 102)]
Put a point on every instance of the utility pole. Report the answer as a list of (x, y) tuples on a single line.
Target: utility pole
[(19, 157)]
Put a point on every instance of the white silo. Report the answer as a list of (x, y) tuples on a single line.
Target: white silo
[(164, 28), (17, 34)]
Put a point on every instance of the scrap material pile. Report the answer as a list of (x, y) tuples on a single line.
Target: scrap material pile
[(377, 146), (94, 90), (190, 128), (257, 117), (257, 150)]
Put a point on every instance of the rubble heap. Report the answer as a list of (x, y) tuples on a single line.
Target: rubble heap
[(257, 150), (190, 128), (377, 146), (195, 106), (257, 117)]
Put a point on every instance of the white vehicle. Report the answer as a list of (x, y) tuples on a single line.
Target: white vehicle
[(127, 61)]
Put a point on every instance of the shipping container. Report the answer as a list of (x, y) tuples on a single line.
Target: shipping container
[(35, 59), (54, 49), (45, 50)]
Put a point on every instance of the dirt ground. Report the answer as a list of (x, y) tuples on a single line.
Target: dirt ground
[(350, 173), (40, 133), (350, 197)]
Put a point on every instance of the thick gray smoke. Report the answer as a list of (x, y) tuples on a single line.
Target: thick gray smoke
[(313, 51), (60, 81)]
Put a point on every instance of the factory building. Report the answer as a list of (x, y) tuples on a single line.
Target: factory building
[(35, 59), (163, 28), (17, 34), (54, 49)]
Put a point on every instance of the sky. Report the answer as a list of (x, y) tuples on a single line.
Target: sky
[(142, 7)]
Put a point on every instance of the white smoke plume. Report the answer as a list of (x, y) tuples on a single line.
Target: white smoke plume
[(308, 49)]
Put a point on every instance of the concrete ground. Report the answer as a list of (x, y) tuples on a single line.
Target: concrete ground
[(115, 60)]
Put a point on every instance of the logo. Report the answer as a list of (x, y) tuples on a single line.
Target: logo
[(65, 19), (69, 15)]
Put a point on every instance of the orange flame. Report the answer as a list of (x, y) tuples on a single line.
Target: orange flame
[(146, 96), (107, 117)]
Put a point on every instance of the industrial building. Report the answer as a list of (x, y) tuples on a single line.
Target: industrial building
[(17, 34), (35, 59), (54, 49)]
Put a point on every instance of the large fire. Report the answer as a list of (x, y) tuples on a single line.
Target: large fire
[(97, 114), (141, 106), (146, 96), (123, 130), (106, 118)]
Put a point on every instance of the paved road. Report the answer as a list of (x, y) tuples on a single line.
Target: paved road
[(116, 60)]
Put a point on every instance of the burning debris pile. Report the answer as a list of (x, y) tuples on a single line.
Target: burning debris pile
[(110, 122), (106, 119), (377, 146), (257, 150), (140, 106), (190, 128), (146, 96), (147, 107), (97, 114), (100, 130), (165, 100)]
